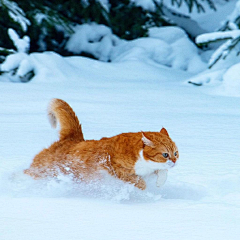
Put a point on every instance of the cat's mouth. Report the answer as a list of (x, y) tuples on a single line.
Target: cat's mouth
[(170, 163)]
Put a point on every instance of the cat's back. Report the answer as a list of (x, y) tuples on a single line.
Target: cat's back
[(127, 144), (121, 143)]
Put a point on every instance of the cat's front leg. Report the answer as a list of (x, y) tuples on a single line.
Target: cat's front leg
[(141, 184), (127, 175), (161, 177)]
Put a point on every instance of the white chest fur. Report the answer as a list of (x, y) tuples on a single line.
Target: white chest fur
[(145, 168)]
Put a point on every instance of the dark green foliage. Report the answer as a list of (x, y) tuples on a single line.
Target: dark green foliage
[(7, 22), (191, 4), (49, 33), (52, 21), (129, 21)]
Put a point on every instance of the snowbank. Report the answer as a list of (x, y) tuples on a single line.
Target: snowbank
[(94, 39), (221, 79), (231, 82), (169, 46), (143, 49), (185, 55)]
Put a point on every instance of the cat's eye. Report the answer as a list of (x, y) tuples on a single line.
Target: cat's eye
[(165, 155), (175, 154)]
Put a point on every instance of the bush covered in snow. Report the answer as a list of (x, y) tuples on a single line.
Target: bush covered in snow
[(94, 39), (224, 68), (229, 33), (49, 24), (107, 30), (168, 46), (17, 65)]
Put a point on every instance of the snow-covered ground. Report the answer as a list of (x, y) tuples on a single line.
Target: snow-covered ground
[(200, 199), (144, 89)]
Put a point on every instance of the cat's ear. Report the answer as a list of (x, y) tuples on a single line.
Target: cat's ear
[(164, 131), (147, 141)]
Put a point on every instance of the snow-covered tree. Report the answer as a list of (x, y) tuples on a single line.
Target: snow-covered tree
[(12, 16), (229, 33), (194, 4), (50, 23), (17, 65)]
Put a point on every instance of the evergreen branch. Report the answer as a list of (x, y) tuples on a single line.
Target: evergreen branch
[(217, 36), (211, 5), (194, 3), (217, 55), (5, 51), (201, 42), (161, 7), (53, 18), (223, 51), (15, 13), (178, 2)]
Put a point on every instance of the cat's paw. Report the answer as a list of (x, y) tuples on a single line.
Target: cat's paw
[(161, 177), (141, 184)]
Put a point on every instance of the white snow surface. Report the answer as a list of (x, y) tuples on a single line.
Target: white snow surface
[(200, 199), (145, 4), (231, 82), (135, 92)]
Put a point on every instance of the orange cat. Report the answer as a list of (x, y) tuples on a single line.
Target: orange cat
[(127, 156)]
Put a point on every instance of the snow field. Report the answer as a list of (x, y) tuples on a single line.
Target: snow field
[(200, 197), (143, 89)]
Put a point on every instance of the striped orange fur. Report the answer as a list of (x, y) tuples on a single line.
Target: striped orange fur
[(127, 156)]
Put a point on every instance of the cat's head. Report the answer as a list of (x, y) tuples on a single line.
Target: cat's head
[(158, 147)]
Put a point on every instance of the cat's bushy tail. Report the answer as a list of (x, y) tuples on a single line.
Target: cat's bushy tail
[(60, 111)]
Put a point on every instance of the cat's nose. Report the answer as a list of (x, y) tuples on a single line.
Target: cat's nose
[(173, 160)]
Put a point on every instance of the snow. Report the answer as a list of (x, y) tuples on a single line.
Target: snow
[(145, 4), (168, 34), (143, 88), (235, 14), (224, 56), (200, 199), (231, 82), (22, 45), (232, 36), (209, 20), (169, 46), (105, 4), (183, 54), (17, 64), (95, 39), (211, 37)]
